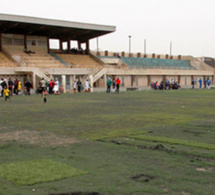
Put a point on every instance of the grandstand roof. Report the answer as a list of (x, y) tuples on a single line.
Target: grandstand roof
[(54, 29)]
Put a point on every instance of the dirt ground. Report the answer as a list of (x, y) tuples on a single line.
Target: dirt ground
[(44, 139)]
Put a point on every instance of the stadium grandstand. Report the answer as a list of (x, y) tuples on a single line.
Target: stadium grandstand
[(25, 53)]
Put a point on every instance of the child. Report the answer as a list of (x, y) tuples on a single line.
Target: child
[(6, 93), (44, 93)]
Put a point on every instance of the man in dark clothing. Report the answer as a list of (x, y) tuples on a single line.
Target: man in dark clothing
[(108, 85), (10, 86), (193, 83), (28, 86), (79, 85), (16, 87), (3, 85)]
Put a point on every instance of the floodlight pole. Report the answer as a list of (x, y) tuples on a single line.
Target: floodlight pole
[(144, 46), (97, 44), (129, 45), (170, 48)]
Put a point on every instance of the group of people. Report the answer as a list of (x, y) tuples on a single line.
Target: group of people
[(165, 85), (78, 85), (115, 84), (207, 83), (52, 87), (10, 87)]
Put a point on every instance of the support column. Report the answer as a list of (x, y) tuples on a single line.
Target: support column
[(34, 81), (79, 45), (63, 79), (68, 46), (48, 45), (88, 46), (91, 83), (148, 80), (105, 80), (179, 79), (25, 41), (0, 42), (61, 44)]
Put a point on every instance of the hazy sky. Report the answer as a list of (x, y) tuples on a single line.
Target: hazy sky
[(189, 24)]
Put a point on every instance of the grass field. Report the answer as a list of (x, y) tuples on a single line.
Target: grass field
[(132, 143)]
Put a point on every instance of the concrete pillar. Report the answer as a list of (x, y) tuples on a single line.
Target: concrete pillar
[(79, 45), (179, 79), (88, 46), (61, 44), (25, 41), (148, 80), (0, 42), (68, 46), (91, 82), (105, 80), (63, 80), (48, 46), (34, 82)]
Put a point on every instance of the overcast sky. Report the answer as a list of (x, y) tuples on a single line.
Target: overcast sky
[(189, 24)]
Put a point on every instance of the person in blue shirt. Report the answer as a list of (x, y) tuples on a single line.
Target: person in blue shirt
[(200, 83), (209, 83)]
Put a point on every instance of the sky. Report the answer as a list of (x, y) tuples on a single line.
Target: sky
[(188, 24)]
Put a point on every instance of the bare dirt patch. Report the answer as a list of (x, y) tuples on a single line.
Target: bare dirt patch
[(42, 138), (209, 169)]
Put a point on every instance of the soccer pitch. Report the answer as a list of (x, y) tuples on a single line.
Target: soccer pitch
[(142, 142)]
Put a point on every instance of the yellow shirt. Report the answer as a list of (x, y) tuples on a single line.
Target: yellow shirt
[(19, 85), (6, 92)]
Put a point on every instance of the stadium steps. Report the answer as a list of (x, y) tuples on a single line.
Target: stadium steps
[(79, 60), (5, 61), (39, 59)]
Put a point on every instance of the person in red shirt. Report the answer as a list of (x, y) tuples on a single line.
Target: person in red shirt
[(117, 85), (51, 85)]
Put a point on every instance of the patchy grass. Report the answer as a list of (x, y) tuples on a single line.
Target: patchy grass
[(175, 141), (112, 137), (38, 171)]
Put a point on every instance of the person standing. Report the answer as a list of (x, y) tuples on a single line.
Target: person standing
[(200, 83), (114, 85), (108, 85), (3, 85), (75, 86), (193, 83), (87, 87), (28, 86), (19, 87), (51, 85), (117, 84), (16, 86), (79, 85), (208, 83), (205, 83), (10, 86), (56, 87)]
